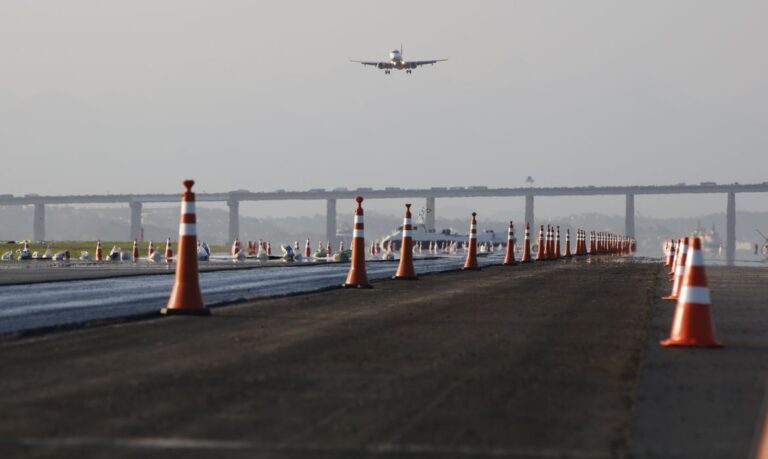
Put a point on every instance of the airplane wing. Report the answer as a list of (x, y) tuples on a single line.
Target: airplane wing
[(381, 65), (418, 63)]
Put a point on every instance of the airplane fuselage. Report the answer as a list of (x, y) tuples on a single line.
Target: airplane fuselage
[(397, 61)]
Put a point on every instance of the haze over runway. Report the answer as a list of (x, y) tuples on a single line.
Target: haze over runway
[(112, 97)]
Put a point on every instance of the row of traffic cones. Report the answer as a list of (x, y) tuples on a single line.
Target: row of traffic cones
[(692, 324), (186, 297), (116, 253)]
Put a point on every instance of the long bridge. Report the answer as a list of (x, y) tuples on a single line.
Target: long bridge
[(233, 199)]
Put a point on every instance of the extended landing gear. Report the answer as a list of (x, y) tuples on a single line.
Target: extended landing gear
[(408, 71), (386, 72)]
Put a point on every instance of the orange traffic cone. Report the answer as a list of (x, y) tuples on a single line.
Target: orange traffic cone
[(540, 251), (99, 252), (584, 244), (135, 251), (307, 250), (693, 325), (328, 249), (357, 276), (509, 258), (150, 249), (186, 297), (567, 243), (577, 248), (675, 258), (551, 243), (235, 248), (405, 269), (670, 254), (557, 243), (679, 271), (471, 262), (168, 250), (526, 258), (761, 448)]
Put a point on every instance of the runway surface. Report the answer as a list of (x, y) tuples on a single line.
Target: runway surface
[(40, 305), (529, 361), (549, 360)]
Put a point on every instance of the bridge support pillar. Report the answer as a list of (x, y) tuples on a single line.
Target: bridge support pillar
[(629, 216), (529, 212), (330, 220), (136, 220), (234, 220), (38, 223), (429, 219), (730, 229)]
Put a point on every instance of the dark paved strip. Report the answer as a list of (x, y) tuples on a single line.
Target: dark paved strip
[(706, 403), (528, 361)]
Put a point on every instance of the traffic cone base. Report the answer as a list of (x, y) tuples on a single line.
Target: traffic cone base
[(356, 286), (185, 312), (692, 327)]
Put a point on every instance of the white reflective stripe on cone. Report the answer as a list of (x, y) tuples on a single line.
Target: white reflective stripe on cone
[(358, 219), (187, 229), (406, 221), (697, 295), (697, 259), (407, 233), (187, 207), (358, 233)]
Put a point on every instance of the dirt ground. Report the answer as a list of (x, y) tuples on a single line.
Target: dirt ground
[(554, 359)]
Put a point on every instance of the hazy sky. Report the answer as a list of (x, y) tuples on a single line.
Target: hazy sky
[(99, 96)]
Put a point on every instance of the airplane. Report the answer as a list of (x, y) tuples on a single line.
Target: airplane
[(396, 61)]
